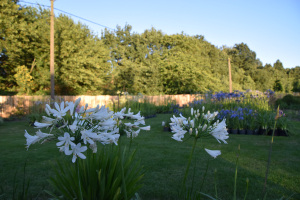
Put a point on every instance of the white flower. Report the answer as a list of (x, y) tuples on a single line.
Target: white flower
[(61, 149), (191, 131), (120, 115), (81, 110), (129, 114), (47, 111), (139, 121), (192, 123), (213, 153), (71, 106), (41, 125), (60, 111), (33, 139), (163, 123), (109, 122), (86, 136), (67, 140), (135, 133), (220, 132), (178, 137), (136, 116), (48, 119), (30, 139), (204, 127), (77, 151), (94, 147), (192, 111), (41, 135), (146, 128), (203, 108), (77, 102)]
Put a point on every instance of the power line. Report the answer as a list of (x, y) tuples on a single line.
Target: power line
[(68, 14)]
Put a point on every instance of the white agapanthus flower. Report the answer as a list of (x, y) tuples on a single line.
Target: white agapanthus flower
[(42, 125), (213, 153), (66, 141), (220, 132), (85, 127), (60, 111), (77, 152), (31, 139), (201, 126)]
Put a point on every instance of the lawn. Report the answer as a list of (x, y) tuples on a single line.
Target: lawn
[(167, 160)]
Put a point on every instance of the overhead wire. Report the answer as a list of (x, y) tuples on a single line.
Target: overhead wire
[(68, 14)]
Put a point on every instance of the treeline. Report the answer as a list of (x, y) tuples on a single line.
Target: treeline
[(121, 60)]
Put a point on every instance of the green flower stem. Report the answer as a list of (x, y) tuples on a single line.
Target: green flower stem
[(130, 142), (189, 163), (122, 170), (77, 161), (269, 159), (216, 183), (204, 175), (235, 177), (246, 189)]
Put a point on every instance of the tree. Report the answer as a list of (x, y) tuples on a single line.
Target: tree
[(278, 86), (278, 65)]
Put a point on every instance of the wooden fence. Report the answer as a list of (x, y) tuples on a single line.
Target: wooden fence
[(24, 104)]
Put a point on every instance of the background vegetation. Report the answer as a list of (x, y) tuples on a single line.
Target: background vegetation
[(149, 63)]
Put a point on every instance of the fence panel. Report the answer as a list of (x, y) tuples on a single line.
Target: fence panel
[(12, 104)]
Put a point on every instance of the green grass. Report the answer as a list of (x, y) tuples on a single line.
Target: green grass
[(168, 159)]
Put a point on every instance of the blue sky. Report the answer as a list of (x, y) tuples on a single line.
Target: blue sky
[(270, 28)]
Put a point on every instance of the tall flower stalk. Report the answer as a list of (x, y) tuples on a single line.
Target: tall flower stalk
[(200, 126), (278, 115)]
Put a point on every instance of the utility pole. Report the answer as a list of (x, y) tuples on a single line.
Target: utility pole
[(230, 83), (52, 49)]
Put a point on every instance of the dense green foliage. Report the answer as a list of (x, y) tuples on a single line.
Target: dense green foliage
[(121, 60), (289, 102)]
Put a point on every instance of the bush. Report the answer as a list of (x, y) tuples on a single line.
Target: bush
[(288, 102)]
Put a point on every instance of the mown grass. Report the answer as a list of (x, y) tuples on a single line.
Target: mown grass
[(167, 160)]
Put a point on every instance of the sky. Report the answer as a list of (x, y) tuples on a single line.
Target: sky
[(271, 28)]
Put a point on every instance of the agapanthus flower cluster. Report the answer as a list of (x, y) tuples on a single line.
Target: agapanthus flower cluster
[(132, 129), (200, 125), (76, 128)]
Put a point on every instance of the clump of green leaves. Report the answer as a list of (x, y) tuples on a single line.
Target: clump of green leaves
[(100, 176)]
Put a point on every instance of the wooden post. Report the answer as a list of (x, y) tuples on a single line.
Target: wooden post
[(230, 83), (52, 49)]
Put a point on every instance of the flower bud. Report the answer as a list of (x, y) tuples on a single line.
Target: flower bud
[(203, 108), (191, 131), (192, 111), (192, 124), (204, 127), (81, 109), (47, 111), (77, 102), (163, 123), (196, 132)]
